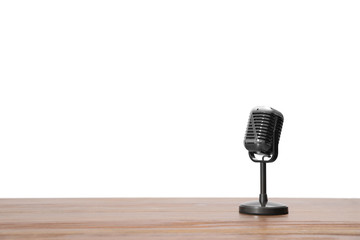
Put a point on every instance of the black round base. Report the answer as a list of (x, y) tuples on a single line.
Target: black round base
[(271, 208)]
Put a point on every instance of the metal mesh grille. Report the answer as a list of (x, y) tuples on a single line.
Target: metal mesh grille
[(261, 126)]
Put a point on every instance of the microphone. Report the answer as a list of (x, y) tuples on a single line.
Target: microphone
[(261, 140), (263, 132)]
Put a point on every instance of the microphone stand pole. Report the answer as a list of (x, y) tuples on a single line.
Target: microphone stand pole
[(263, 196)]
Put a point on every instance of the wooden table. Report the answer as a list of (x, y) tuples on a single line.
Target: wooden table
[(175, 218)]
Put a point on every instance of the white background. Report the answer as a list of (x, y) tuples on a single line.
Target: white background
[(151, 98)]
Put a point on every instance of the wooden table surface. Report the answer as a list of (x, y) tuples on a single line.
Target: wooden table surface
[(175, 218)]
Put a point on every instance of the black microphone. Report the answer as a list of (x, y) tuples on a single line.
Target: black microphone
[(261, 140), (263, 132)]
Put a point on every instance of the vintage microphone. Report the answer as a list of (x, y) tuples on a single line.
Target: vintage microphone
[(262, 140)]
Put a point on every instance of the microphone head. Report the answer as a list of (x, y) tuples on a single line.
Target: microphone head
[(264, 123)]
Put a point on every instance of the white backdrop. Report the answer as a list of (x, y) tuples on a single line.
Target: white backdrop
[(151, 98)]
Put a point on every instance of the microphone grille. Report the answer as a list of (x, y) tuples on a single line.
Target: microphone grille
[(262, 123)]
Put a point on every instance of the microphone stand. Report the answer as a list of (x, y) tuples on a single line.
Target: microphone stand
[(263, 207)]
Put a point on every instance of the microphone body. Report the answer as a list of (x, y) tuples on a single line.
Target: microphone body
[(263, 132)]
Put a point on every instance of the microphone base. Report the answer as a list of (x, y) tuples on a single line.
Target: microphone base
[(271, 208)]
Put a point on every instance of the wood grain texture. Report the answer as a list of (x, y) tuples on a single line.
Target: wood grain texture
[(175, 218)]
